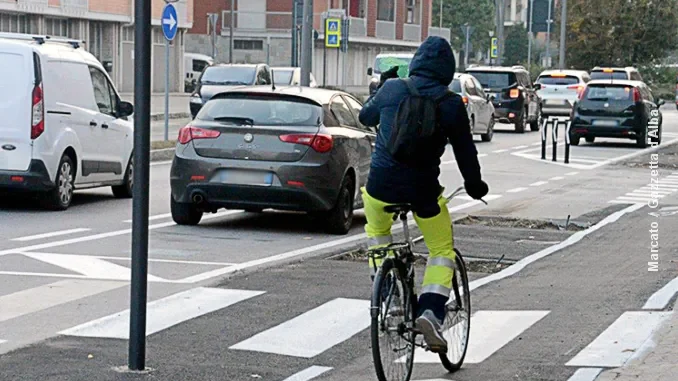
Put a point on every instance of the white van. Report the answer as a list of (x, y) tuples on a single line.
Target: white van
[(63, 125), (194, 65)]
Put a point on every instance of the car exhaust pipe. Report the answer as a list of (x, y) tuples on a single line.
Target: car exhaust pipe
[(198, 198)]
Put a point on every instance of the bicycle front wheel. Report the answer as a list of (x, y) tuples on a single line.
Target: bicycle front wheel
[(457, 324), (392, 314)]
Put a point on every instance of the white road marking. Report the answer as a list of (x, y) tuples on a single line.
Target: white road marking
[(490, 331), (90, 267), (664, 185), (571, 173), (557, 178), (516, 190), (634, 199), (46, 296), (308, 373), (521, 147), (585, 374), (634, 154), (50, 235), (500, 151), (660, 299), (156, 163), (169, 215), (650, 191), (536, 144), (571, 240), (314, 331), (150, 260), (3, 341), (629, 336), (164, 313), (626, 202), (482, 154), (96, 236), (539, 183)]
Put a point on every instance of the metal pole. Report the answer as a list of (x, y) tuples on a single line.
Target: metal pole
[(268, 50), (324, 65), (563, 29), (230, 39), (468, 32), (554, 137), (294, 33), (441, 14), (567, 142), (142, 148), (306, 43), (531, 36), (548, 36), (544, 133), (167, 85), (500, 32)]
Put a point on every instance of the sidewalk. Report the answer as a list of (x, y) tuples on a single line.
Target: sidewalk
[(660, 365), (178, 105)]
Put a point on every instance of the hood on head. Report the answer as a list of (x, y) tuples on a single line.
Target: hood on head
[(435, 60)]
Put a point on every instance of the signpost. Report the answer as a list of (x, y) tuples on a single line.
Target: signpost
[(332, 40), (169, 29), (494, 50)]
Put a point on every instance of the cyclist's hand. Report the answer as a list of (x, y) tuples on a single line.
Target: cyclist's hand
[(476, 189), (388, 74)]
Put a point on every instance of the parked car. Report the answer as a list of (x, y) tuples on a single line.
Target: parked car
[(515, 97), (628, 73), (478, 105), (63, 124), (223, 77), (290, 76), (291, 148), (560, 89), (194, 65), (617, 109)]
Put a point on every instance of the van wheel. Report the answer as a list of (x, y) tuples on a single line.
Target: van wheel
[(184, 213), (490, 131), (124, 190), (61, 196), (521, 123), (340, 218)]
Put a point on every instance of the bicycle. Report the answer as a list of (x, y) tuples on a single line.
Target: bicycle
[(394, 281)]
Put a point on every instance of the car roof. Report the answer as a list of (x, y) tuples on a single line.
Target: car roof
[(318, 95), (623, 82), (198, 55), (601, 68), (252, 66), (499, 69), (55, 49), (576, 73)]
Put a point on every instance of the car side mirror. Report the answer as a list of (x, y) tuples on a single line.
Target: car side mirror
[(661, 102), (369, 71), (125, 109), (490, 97), (537, 86)]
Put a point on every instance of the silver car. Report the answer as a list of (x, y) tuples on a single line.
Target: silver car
[(255, 148), (560, 89), (478, 105), (290, 76)]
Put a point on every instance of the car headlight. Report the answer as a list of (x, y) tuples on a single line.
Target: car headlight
[(196, 99)]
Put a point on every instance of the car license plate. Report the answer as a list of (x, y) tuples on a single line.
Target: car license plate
[(245, 177), (556, 102), (606, 123)]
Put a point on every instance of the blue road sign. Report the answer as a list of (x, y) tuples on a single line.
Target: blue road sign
[(169, 22), (332, 40), (494, 51), (333, 25)]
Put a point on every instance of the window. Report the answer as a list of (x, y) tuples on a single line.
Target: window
[(199, 65), (96, 35), (456, 86), (342, 113), (613, 75), (248, 45), (635, 76), (479, 88), (13, 23), (56, 27), (558, 80), (386, 10), (357, 8), (224, 75), (470, 88), (102, 92), (128, 34), (413, 11), (158, 37), (356, 107), (494, 79), (283, 76), (262, 110)]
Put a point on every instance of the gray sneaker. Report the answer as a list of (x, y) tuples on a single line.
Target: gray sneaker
[(429, 326)]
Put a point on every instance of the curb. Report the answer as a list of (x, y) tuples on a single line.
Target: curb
[(162, 154), (176, 115)]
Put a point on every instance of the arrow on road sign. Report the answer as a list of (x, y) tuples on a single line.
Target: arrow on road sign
[(170, 21)]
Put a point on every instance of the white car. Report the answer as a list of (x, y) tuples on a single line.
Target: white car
[(290, 76), (63, 124), (560, 89)]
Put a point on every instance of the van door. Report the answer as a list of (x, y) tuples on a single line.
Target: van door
[(16, 89)]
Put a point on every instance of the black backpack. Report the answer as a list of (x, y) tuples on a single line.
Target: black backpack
[(416, 134)]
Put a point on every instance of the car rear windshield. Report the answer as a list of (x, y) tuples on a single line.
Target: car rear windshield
[(282, 76), (262, 110), (608, 93), (599, 74), (558, 80), (228, 76), (494, 79), (456, 86)]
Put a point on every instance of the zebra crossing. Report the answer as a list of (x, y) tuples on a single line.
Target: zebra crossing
[(650, 193)]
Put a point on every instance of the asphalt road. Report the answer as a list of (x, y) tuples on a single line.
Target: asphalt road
[(74, 265)]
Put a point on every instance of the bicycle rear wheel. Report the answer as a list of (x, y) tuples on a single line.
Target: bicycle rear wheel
[(457, 324), (392, 314)]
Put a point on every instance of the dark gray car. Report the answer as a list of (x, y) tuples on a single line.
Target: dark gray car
[(222, 77), (255, 148)]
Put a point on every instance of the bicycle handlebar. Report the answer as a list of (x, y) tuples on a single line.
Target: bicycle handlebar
[(458, 191)]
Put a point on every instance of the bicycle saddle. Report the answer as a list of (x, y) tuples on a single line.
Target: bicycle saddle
[(398, 208)]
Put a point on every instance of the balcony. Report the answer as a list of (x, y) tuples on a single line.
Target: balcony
[(440, 32), (412, 32), (386, 30)]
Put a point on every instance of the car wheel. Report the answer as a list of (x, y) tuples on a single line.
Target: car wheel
[(61, 196), (534, 126), (641, 140), (521, 123), (340, 218), (185, 213), (490, 131), (590, 139), (124, 190), (574, 140)]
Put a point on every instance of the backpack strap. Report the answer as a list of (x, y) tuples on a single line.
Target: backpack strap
[(448, 94), (410, 87)]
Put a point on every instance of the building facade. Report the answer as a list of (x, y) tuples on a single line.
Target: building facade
[(107, 29), (262, 32)]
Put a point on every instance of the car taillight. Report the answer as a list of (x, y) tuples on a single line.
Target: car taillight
[(582, 92), (515, 93), (320, 143), (636, 95), (579, 88), (37, 113), (188, 133), (465, 100)]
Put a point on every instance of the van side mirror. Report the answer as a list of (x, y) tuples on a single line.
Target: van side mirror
[(125, 109), (369, 71)]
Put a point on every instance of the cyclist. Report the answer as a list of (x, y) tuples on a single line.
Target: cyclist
[(390, 181)]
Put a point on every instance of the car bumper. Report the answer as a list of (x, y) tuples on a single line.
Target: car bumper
[(35, 179), (295, 186), (506, 115), (625, 128)]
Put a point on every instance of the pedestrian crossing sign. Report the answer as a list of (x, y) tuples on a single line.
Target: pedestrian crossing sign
[(333, 32), (494, 50)]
